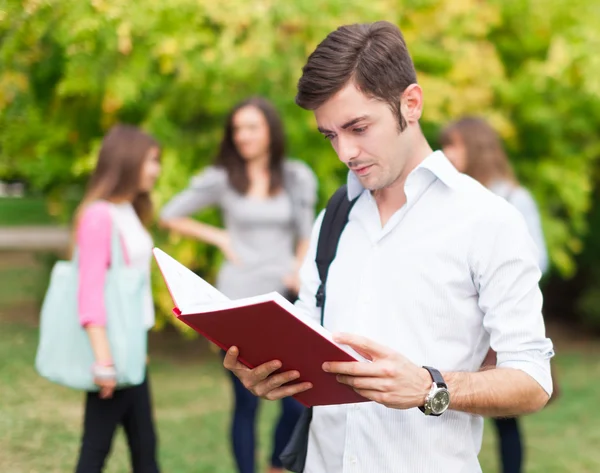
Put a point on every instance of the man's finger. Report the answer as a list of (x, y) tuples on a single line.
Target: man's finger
[(231, 360), (265, 370), (287, 391), (250, 377), (275, 381), (363, 383), (353, 368), (363, 345)]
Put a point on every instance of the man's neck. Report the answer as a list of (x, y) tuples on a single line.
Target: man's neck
[(392, 198)]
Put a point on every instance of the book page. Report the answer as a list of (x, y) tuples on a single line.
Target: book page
[(187, 288)]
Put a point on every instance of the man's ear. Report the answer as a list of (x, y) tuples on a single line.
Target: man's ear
[(411, 103)]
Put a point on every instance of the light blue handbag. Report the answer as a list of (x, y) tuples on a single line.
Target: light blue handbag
[(64, 354)]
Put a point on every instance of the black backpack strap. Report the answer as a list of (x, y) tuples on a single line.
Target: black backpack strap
[(335, 219)]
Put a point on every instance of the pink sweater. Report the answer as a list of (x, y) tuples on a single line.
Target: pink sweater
[(93, 239)]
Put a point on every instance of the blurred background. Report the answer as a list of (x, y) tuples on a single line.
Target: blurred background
[(69, 69)]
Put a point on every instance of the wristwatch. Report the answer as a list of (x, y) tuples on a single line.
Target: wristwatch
[(438, 399)]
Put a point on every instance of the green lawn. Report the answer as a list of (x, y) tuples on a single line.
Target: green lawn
[(40, 423)]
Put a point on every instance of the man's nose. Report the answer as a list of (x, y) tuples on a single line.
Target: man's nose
[(346, 149)]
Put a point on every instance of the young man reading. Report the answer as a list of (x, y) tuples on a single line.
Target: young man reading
[(431, 271)]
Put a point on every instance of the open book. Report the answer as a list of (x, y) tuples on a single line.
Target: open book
[(264, 328)]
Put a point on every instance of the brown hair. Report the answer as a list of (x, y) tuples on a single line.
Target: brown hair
[(234, 164), (486, 158), (374, 56), (118, 170)]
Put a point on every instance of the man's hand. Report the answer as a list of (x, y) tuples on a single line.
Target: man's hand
[(391, 379), (261, 381)]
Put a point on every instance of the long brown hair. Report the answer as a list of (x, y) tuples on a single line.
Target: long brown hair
[(372, 55), (118, 170), (234, 164), (486, 158)]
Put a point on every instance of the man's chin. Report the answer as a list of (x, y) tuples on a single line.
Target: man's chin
[(371, 184)]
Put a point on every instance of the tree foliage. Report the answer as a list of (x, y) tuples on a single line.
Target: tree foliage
[(69, 69)]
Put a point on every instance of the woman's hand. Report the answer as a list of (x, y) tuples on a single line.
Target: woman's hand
[(292, 283), (224, 244), (105, 377)]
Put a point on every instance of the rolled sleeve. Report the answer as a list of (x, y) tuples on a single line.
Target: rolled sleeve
[(506, 273), (205, 189)]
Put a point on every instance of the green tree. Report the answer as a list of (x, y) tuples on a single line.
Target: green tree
[(69, 69)]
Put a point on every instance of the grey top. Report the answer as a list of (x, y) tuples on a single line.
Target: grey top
[(263, 232), (525, 204)]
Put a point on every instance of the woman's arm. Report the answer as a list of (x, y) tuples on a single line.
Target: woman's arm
[(205, 190), (93, 239), (292, 281), (201, 231), (302, 184)]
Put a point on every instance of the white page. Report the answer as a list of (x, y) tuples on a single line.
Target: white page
[(187, 288)]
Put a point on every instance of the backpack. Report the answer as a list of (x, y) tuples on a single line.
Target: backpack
[(335, 219)]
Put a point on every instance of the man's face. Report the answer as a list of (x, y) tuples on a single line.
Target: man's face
[(366, 136)]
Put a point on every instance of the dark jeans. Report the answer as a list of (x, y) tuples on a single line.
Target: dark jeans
[(130, 407), (511, 448), (243, 428)]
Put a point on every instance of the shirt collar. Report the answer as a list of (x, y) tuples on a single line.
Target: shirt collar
[(436, 163)]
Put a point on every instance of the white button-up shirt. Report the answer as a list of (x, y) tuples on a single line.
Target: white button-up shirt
[(453, 272)]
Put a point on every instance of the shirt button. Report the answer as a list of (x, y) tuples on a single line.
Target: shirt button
[(353, 459)]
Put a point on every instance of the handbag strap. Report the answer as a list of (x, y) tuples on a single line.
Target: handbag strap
[(118, 252)]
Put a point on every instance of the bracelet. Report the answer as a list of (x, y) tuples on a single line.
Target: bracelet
[(104, 372)]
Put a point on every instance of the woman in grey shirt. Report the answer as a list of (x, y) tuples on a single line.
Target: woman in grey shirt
[(476, 149), (268, 204)]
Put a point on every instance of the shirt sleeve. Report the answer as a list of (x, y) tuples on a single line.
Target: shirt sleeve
[(205, 189), (93, 239), (303, 190), (309, 276), (506, 274), (525, 204)]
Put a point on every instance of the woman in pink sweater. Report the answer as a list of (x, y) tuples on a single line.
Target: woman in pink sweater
[(118, 196)]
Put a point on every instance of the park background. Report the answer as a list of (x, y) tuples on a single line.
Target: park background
[(69, 69)]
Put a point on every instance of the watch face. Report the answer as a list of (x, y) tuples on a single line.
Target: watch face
[(440, 401)]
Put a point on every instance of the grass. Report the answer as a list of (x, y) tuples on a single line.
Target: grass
[(40, 423), (24, 211)]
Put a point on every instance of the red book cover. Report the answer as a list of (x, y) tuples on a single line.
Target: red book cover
[(264, 328)]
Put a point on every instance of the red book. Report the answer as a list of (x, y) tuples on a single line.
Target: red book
[(264, 328)]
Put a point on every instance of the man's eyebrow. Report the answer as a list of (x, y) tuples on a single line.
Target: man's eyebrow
[(354, 121), (346, 125), (324, 131)]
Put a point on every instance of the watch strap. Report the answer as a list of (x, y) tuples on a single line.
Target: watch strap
[(437, 377)]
